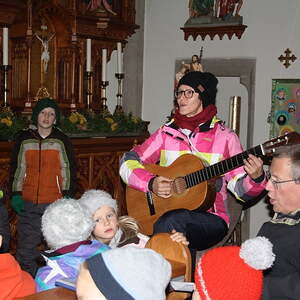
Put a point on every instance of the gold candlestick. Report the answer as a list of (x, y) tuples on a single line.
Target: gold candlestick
[(119, 107), (5, 69), (89, 89), (103, 106)]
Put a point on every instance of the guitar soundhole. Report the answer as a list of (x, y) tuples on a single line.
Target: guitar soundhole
[(179, 185)]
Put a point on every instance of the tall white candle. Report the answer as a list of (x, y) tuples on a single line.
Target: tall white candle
[(88, 54), (5, 46), (104, 60), (119, 56)]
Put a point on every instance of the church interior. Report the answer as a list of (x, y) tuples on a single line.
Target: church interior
[(120, 60)]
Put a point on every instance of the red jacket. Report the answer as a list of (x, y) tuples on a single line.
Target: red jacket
[(14, 282)]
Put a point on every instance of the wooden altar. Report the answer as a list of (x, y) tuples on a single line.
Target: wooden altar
[(54, 33), (98, 168), (47, 56)]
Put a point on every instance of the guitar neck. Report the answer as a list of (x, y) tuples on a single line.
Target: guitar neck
[(221, 167)]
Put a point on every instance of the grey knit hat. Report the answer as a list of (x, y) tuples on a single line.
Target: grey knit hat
[(95, 199), (130, 273), (65, 222)]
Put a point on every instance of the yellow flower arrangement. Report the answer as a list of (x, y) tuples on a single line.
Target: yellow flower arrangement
[(7, 121), (76, 117), (83, 123), (10, 123), (114, 126), (89, 123), (73, 118), (109, 120), (135, 120)]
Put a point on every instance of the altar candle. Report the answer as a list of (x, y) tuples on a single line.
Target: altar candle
[(104, 59), (88, 54), (119, 56), (5, 46)]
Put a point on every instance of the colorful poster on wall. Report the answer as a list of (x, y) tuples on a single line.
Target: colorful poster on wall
[(285, 110)]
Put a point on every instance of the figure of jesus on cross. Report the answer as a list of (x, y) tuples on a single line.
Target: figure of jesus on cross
[(44, 39)]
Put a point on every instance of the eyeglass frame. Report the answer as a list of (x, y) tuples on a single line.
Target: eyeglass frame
[(276, 182), (183, 92)]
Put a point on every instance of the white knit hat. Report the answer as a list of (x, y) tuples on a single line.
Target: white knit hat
[(130, 273), (65, 222), (95, 199)]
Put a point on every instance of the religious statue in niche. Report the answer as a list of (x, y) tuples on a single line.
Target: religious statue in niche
[(226, 9), (96, 4), (182, 67), (193, 65), (101, 8), (199, 8), (214, 13)]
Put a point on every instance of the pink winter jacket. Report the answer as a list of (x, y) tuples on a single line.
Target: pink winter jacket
[(168, 143)]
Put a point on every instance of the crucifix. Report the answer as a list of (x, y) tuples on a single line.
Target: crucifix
[(287, 58), (44, 37)]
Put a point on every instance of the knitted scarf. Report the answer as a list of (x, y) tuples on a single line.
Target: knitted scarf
[(192, 123)]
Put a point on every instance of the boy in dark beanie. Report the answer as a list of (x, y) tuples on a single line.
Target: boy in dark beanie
[(44, 103), (195, 130), (43, 170)]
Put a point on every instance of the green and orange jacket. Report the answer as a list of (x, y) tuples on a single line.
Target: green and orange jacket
[(43, 169)]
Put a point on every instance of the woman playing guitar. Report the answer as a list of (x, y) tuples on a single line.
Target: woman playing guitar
[(194, 130)]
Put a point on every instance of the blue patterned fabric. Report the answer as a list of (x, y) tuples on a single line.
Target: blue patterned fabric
[(65, 265)]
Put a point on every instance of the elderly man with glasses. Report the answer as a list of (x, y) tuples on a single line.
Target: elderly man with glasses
[(282, 281)]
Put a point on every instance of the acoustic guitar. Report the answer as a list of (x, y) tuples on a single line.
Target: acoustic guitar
[(193, 183)]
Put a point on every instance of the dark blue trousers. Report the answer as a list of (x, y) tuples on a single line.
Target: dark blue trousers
[(202, 229), (29, 236)]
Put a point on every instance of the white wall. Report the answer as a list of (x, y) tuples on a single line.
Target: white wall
[(228, 87), (272, 27)]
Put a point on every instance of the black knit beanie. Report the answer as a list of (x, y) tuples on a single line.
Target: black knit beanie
[(204, 83), (44, 103)]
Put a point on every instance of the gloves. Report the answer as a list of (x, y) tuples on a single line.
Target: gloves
[(17, 203)]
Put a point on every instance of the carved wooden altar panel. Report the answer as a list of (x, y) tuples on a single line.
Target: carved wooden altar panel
[(100, 171), (63, 27)]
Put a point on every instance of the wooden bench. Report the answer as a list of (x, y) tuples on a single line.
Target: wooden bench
[(57, 293)]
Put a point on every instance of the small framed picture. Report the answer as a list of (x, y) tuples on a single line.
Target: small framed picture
[(285, 109)]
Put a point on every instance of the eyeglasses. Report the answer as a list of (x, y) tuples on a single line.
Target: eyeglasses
[(187, 94), (276, 182)]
